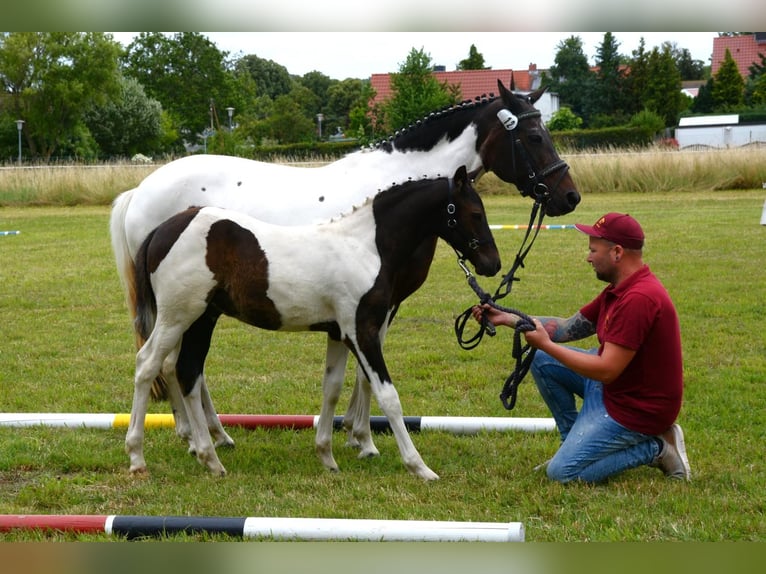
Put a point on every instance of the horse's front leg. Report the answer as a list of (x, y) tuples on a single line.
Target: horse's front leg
[(332, 384), (371, 357)]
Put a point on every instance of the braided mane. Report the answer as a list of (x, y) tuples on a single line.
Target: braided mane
[(416, 129)]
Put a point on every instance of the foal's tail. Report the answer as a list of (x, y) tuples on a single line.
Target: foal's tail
[(126, 270)]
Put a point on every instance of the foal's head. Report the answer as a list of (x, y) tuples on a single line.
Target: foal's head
[(466, 228)]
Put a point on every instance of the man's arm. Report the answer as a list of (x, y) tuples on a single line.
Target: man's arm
[(574, 328)]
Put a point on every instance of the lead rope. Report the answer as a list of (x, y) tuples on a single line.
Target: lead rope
[(523, 354)]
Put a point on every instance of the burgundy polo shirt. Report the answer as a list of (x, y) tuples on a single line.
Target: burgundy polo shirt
[(639, 314)]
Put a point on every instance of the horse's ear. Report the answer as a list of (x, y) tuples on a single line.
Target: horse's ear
[(537, 94), (507, 95), (461, 177)]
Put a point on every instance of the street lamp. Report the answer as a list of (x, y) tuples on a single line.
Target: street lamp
[(230, 111), (320, 117), (19, 124)]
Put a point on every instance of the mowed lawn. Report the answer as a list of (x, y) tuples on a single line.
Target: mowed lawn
[(66, 345)]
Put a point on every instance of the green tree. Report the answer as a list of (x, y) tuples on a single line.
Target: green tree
[(688, 67), (563, 119), (342, 98), (474, 61), (127, 124), (662, 94), (570, 76), (287, 123), (703, 103), (271, 79), (728, 85), (49, 78), (187, 74), (637, 80), (416, 91), (755, 85), (364, 117), (608, 98)]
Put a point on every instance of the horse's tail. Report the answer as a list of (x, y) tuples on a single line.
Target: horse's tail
[(126, 270), (145, 300)]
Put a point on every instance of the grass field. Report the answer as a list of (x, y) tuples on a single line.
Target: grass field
[(67, 346)]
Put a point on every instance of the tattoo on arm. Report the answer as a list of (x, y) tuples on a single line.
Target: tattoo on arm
[(574, 328)]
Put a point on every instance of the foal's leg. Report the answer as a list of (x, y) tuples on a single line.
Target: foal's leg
[(149, 361), (205, 449), (357, 419), (190, 367), (332, 385), (181, 417), (176, 399), (220, 436), (388, 399)]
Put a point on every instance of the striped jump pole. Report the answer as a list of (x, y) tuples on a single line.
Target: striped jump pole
[(285, 529), (3, 233), (379, 424), (554, 226)]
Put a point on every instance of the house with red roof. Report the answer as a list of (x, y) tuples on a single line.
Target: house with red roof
[(476, 83), (744, 50)]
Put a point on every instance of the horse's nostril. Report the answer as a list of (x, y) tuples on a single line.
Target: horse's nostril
[(573, 198)]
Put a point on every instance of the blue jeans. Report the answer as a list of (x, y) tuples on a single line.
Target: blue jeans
[(593, 445)]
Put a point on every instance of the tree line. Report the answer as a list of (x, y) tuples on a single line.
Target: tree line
[(646, 86), (82, 95)]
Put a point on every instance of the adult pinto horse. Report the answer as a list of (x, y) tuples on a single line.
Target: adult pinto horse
[(502, 134), (336, 277)]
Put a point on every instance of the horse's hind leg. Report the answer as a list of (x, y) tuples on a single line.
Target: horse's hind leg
[(190, 372), (357, 419), (176, 399), (181, 417), (332, 385), (205, 449)]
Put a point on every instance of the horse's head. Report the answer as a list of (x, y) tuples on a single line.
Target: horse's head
[(519, 149), (467, 230)]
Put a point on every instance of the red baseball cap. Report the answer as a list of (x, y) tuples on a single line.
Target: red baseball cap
[(619, 228)]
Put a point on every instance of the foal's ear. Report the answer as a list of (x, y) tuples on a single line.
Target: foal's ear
[(461, 177)]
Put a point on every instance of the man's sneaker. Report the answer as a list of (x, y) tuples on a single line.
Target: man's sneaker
[(672, 459)]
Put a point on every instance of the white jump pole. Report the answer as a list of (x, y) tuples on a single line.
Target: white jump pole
[(382, 530), (455, 425), (282, 529)]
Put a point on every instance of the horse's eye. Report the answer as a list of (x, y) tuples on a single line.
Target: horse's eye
[(535, 138)]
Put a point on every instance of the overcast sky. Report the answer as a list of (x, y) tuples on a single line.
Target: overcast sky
[(341, 55)]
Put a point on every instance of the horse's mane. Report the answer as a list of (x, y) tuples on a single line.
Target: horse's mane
[(370, 198), (421, 134)]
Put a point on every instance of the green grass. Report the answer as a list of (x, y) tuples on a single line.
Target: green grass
[(66, 346)]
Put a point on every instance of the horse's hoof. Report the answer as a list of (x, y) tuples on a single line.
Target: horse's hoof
[(223, 443), (368, 454), (138, 471)]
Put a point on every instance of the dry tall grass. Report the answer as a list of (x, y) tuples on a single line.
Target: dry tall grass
[(604, 171), (69, 185), (662, 170)]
